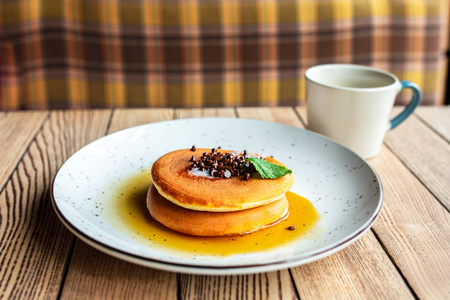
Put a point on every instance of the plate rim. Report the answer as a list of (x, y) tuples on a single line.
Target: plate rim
[(217, 269)]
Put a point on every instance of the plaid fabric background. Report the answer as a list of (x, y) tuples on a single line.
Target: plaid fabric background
[(193, 53)]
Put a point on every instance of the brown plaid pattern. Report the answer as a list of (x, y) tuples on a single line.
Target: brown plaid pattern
[(202, 53)]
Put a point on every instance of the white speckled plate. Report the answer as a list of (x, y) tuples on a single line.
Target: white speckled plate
[(343, 188)]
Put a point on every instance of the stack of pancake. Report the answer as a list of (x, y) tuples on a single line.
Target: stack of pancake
[(198, 204)]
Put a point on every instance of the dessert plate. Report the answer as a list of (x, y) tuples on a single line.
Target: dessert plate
[(342, 187)]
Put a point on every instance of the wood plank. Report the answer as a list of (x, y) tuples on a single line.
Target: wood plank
[(283, 115), (425, 153), (437, 117), (17, 130), (34, 244), (126, 118), (95, 275), (109, 277), (350, 272), (361, 271), (205, 113), (414, 227), (301, 111), (272, 285)]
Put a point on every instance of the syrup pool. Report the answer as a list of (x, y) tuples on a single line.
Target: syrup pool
[(125, 208)]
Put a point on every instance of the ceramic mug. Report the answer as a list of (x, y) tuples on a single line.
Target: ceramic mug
[(351, 104)]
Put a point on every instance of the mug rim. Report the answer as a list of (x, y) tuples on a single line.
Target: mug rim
[(352, 66)]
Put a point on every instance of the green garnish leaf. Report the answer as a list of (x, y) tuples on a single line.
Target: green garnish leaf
[(267, 169)]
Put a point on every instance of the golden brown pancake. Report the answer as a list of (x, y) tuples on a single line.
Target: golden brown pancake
[(202, 223), (171, 177)]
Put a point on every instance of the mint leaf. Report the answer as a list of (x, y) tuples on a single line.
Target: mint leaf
[(267, 169)]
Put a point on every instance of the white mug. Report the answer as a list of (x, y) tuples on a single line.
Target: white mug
[(351, 104)]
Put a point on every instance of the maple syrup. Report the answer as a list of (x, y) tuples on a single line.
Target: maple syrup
[(128, 213)]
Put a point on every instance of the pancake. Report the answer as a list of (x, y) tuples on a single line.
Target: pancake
[(173, 180), (202, 223)]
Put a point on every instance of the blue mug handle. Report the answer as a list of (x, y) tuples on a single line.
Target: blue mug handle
[(417, 96)]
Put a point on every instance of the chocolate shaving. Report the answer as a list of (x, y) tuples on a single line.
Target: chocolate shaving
[(223, 165)]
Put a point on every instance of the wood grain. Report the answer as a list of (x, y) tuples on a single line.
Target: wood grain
[(16, 132), (272, 285), (126, 118), (301, 110), (361, 271), (425, 153), (40, 259), (34, 245), (348, 273), (205, 113), (437, 117), (99, 276), (414, 228), (95, 275), (283, 115)]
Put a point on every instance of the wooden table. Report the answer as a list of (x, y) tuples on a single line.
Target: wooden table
[(404, 256)]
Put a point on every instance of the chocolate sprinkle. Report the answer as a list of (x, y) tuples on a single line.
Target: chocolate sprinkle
[(193, 148), (223, 165)]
